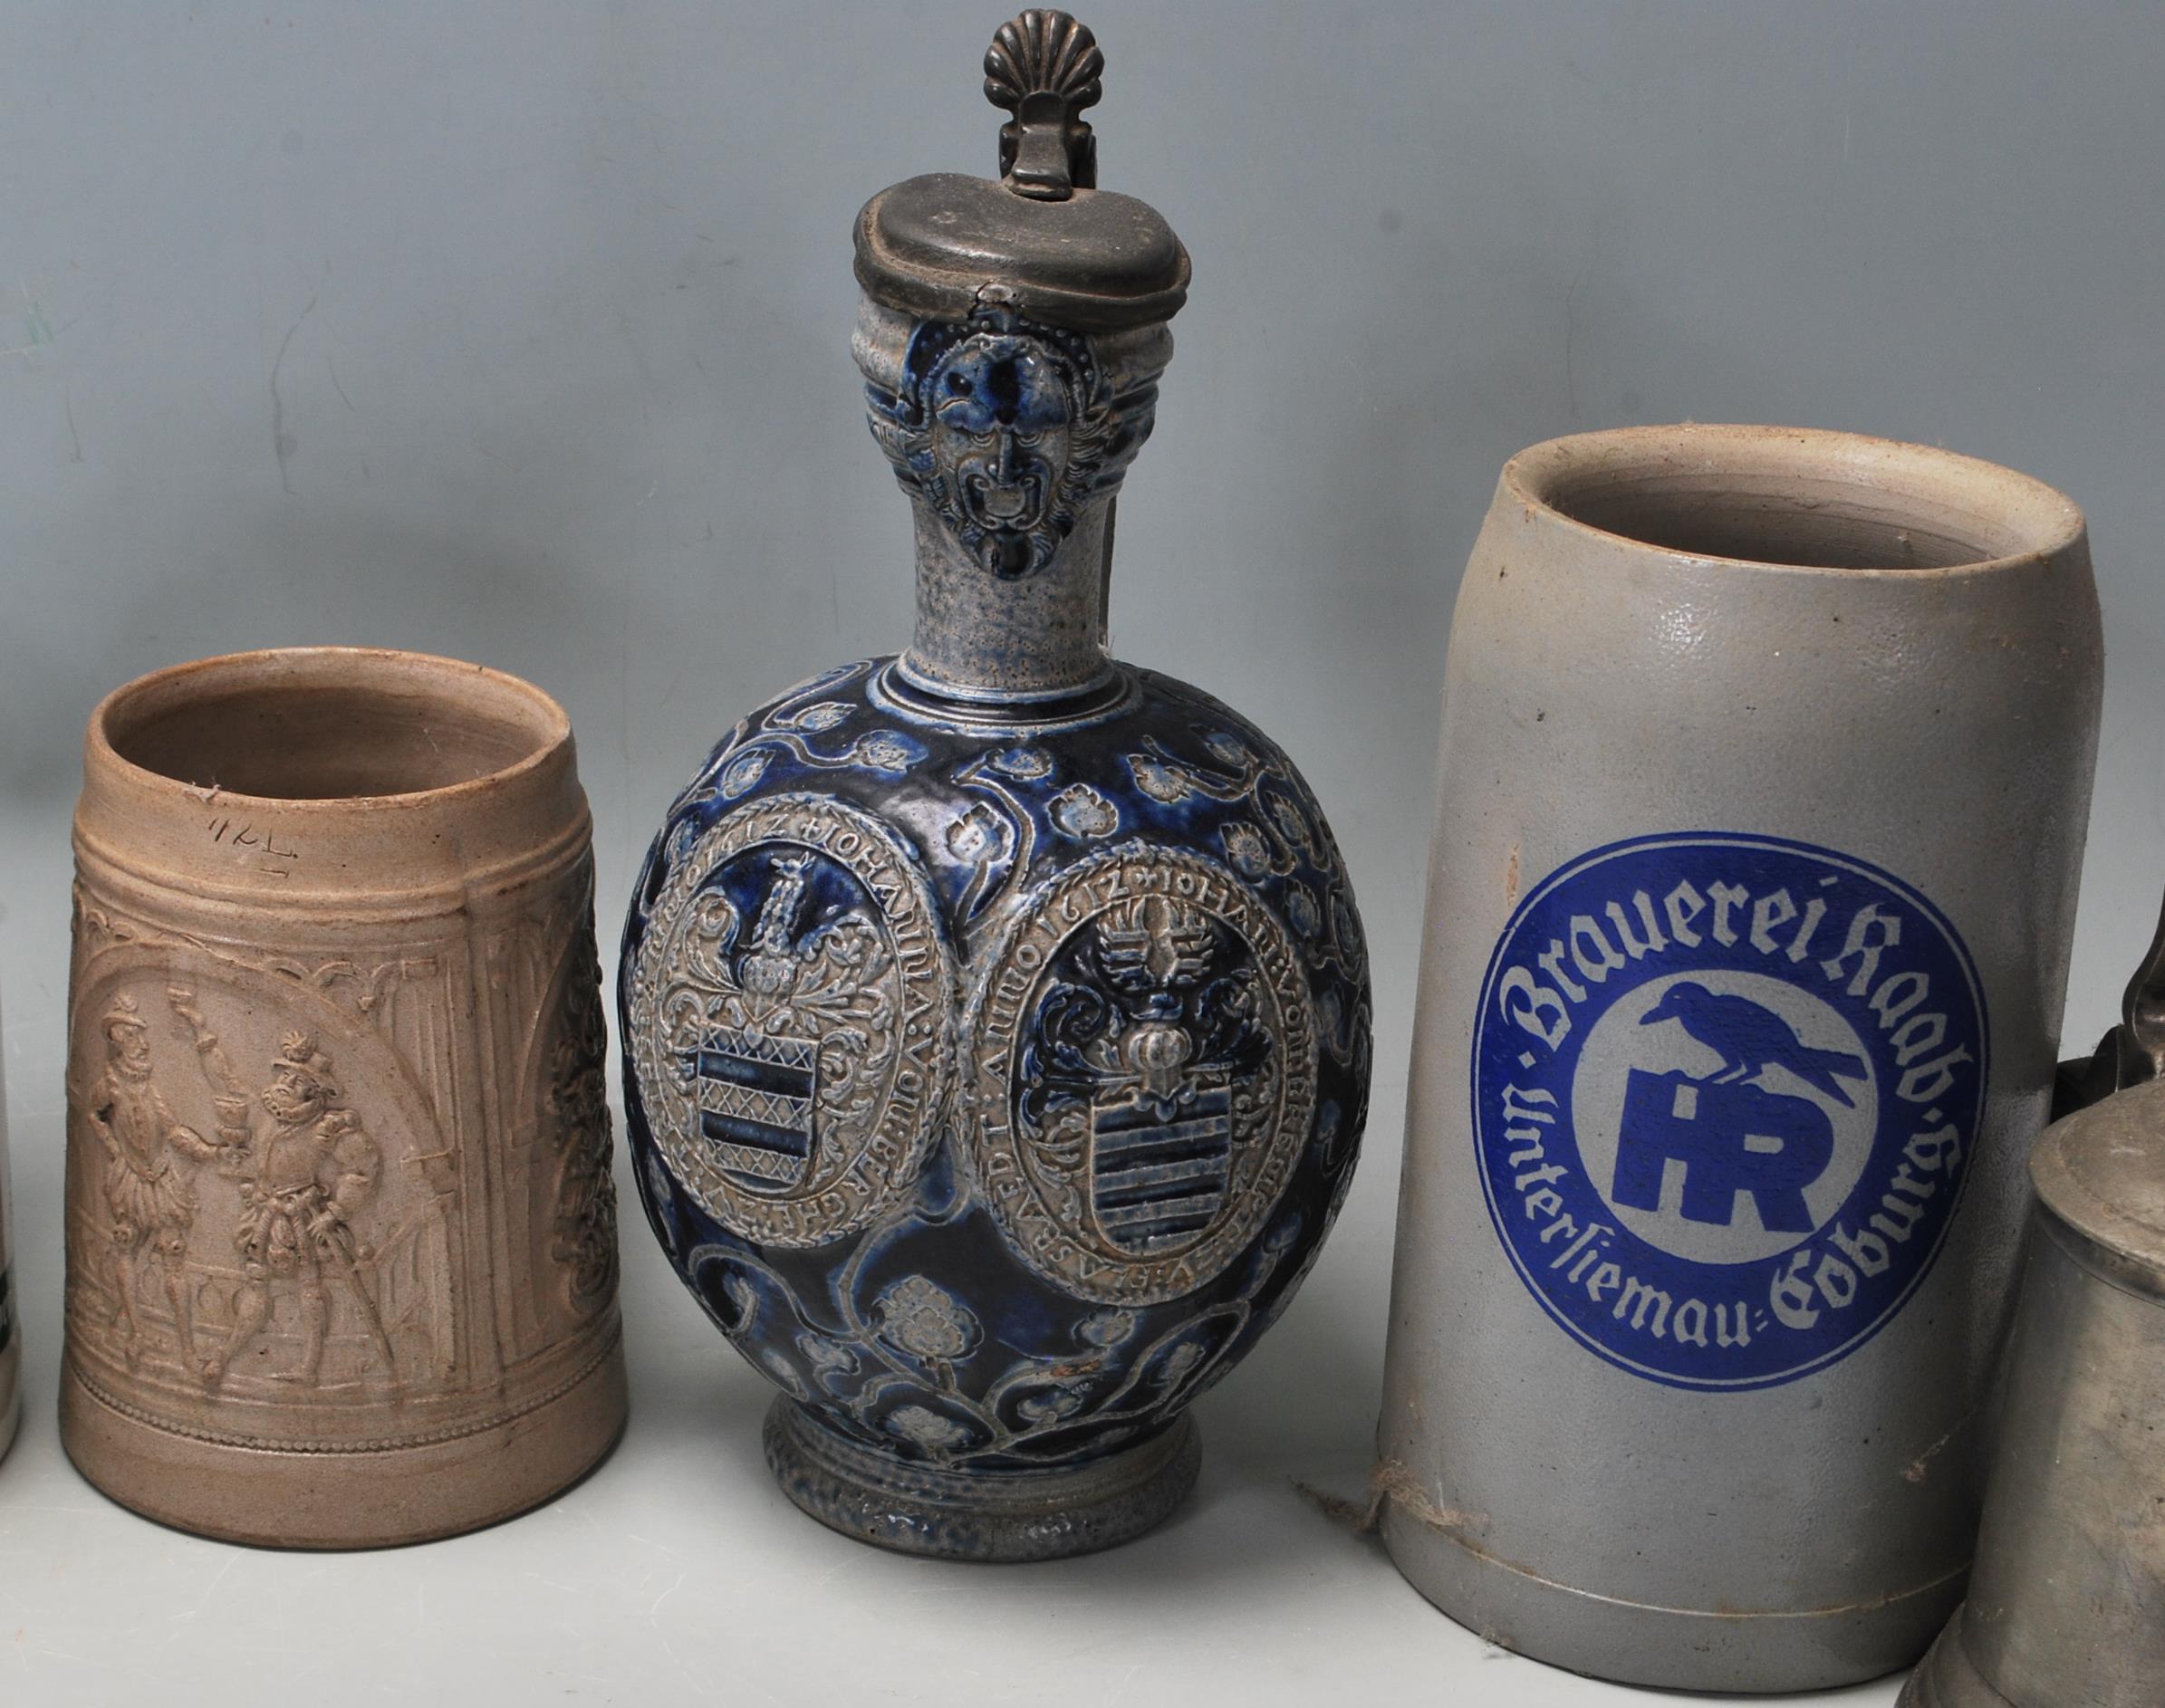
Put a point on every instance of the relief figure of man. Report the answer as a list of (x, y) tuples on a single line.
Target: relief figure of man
[(148, 1186), (310, 1168)]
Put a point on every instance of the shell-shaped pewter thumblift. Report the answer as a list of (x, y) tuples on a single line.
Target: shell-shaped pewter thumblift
[(1043, 52), (1044, 67)]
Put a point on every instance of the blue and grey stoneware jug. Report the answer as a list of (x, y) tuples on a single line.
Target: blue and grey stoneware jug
[(996, 1015)]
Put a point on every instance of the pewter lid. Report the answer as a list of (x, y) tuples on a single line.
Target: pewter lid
[(1041, 238), (2101, 1172)]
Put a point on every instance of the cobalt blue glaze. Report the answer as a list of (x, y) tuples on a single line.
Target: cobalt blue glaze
[(924, 1333), (996, 1017)]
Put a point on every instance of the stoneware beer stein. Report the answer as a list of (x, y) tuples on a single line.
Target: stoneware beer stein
[(341, 1234), (1765, 766), (995, 1016), (11, 1333), (2068, 1598)]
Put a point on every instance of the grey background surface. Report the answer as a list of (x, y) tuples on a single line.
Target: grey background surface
[(520, 332)]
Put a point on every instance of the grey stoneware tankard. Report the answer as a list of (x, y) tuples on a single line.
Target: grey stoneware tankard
[(1765, 767)]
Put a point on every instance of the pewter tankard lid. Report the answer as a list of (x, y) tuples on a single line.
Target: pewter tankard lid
[(1042, 237), (2100, 1175)]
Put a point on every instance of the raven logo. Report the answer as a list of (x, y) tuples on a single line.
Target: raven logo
[(1734, 1137), (1749, 1039)]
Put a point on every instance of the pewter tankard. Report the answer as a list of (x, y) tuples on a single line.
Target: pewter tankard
[(2066, 1604)]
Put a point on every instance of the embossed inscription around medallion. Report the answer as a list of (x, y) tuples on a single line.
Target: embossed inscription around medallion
[(789, 1012), (1142, 1064)]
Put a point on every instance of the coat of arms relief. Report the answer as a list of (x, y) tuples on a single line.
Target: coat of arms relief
[(794, 1016), (790, 1020)]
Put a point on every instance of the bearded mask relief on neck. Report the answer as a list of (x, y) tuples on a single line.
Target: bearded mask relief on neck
[(1005, 427)]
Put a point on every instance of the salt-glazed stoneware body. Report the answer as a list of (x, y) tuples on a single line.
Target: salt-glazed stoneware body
[(11, 1333), (340, 1233), (1765, 772), (996, 1016)]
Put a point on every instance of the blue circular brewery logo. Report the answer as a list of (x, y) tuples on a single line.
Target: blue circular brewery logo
[(1725, 1089)]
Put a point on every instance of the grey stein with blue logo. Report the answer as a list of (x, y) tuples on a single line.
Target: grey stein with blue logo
[(1765, 767)]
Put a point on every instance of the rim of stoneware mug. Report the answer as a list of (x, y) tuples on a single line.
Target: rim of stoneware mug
[(515, 706), (1874, 506)]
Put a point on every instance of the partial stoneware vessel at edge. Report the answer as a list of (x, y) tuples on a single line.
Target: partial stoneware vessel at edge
[(11, 1333), (996, 1017), (1765, 767), (340, 1233)]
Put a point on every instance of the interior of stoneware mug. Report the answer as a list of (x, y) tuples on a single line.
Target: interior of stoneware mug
[(1806, 499), (330, 724)]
